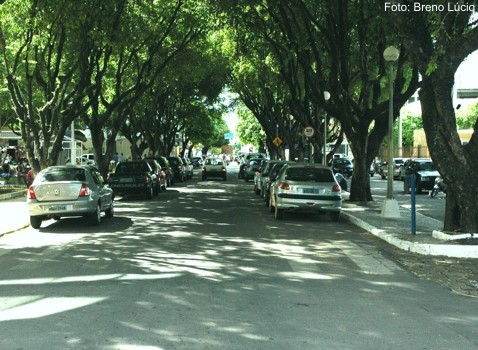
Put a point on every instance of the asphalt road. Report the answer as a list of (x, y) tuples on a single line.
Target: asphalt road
[(205, 266)]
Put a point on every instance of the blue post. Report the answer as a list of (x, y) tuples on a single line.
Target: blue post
[(412, 198)]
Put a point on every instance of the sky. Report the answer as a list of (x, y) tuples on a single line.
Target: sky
[(466, 76)]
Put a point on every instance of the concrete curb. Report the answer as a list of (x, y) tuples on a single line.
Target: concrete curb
[(12, 195), (450, 250)]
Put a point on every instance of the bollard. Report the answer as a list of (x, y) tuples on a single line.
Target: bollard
[(413, 207), (406, 184)]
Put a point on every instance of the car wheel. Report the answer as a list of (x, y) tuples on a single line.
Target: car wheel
[(35, 221), (95, 217), (335, 215), (278, 213), (110, 212)]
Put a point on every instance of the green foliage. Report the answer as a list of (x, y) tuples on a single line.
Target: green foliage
[(249, 130), (409, 125), (466, 118)]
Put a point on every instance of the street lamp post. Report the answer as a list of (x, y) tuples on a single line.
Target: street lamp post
[(324, 157), (390, 207)]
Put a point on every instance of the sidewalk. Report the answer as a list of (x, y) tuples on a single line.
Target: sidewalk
[(365, 215), (398, 231)]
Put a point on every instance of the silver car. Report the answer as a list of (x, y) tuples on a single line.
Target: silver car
[(69, 190), (305, 187)]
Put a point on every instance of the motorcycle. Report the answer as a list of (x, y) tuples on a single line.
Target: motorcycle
[(439, 186)]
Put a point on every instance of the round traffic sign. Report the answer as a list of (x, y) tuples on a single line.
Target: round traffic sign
[(309, 131)]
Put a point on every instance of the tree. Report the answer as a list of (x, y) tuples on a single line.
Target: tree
[(438, 42), (334, 46), (41, 73), (249, 130)]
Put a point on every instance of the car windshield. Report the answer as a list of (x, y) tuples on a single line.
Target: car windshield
[(309, 174), (426, 166), (136, 167), (63, 174), (341, 161)]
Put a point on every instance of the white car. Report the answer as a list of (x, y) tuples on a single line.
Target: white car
[(305, 187)]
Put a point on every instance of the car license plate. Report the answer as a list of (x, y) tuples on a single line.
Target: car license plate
[(310, 190), (57, 208), (126, 179)]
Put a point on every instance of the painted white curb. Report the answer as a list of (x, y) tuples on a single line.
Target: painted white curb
[(450, 250)]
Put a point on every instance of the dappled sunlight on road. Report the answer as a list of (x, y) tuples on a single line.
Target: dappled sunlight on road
[(200, 256)]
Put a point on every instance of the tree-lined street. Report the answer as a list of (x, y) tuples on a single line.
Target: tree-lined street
[(205, 266)]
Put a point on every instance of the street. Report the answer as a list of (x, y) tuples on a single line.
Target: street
[(204, 265)]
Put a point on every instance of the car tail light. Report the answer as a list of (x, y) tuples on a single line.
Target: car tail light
[(336, 188), (31, 193), (284, 186), (84, 190)]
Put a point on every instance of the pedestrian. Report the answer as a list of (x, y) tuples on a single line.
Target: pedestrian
[(30, 177)]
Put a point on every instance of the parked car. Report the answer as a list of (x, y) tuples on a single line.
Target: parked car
[(197, 162), (276, 167), (245, 158), (166, 168), (258, 176), (179, 169), (133, 178), (424, 170), (343, 166), (397, 164), (251, 167), (69, 190), (306, 187), (214, 167), (188, 168), (160, 178)]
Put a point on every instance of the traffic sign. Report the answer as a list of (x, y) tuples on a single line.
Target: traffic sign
[(309, 131), (277, 141)]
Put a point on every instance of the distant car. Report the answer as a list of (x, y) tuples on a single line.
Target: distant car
[(251, 167), (69, 190), (342, 165), (197, 162), (258, 176), (135, 177), (270, 178), (424, 170), (166, 167), (245, 158), (189, 168), (179, 169), (397, 164), (214, 167), (161, 183), (308, 188)]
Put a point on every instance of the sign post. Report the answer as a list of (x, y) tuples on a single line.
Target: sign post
[(309, 131)]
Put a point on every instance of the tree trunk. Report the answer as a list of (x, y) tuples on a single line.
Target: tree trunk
[(457, 164)]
